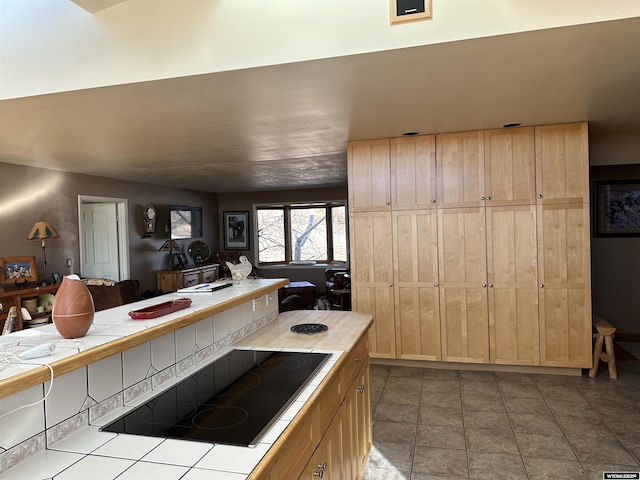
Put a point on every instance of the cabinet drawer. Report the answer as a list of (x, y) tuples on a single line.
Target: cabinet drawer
[(209, 275), (191, 279), (356, 359)]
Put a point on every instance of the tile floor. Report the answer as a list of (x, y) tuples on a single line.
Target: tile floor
[(433, 423)]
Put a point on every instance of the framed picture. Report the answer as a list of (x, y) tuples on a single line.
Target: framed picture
[(56, 278), (617, 208), (236, 230), (180, 261), (19, 269)]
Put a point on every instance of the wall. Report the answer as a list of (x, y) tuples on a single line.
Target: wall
[(615, 262), (245, 202), (41, 41), (31, 194)]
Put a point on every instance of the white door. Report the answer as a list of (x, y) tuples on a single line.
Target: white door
[(99, 230)]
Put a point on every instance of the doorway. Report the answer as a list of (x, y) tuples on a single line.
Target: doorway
[(104, 237)]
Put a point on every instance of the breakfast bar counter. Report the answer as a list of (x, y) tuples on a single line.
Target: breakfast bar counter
[(61, 436)]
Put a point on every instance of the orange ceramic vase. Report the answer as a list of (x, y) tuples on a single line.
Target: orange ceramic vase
[(73, 308)]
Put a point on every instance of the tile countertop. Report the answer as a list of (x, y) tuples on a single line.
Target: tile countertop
[(112, 331), (90, 453)]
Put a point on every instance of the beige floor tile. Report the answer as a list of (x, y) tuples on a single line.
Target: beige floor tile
[(400, 397), (389, 455), (490, 440), (593, 449), (394, 432), (548, 468), (440, 461), (482, 419), (535, 423), (441, 386), (526, 405), (484, 403), (436, 415), (397, 413), (536, 445), (497, 466), (440, 436)]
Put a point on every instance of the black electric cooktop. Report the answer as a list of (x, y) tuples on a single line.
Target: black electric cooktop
[(234, 400)]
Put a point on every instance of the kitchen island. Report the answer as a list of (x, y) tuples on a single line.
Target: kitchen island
[(325, 414)]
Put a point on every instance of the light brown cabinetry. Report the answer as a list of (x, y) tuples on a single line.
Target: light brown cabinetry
[(372, 277), (565, 285), (463, 277), (512, 279), (417, 312), (369, 176), (413, 172), (562, 163), (512, 285), (172, 280)]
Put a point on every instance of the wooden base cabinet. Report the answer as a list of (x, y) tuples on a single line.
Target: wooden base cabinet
[(172, 280)]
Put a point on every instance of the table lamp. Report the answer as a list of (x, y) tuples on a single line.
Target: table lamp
[(42, 231), (170, 246)]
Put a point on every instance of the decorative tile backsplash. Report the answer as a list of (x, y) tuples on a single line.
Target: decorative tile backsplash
[(88, 394)]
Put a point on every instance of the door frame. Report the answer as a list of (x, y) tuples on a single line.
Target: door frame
[(122, 205)]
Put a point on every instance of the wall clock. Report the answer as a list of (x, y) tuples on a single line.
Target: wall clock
[(148, 221)]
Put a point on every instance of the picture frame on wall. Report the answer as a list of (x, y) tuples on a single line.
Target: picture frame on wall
[(18, 270), (617, 208), (236, 230)]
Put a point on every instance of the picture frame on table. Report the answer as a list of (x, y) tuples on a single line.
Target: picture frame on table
[(236, 230), (18, 270), (180, 261), (56, 278), (616, 208)]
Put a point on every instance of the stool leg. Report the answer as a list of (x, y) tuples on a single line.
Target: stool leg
[(597, 350), (613, 371)]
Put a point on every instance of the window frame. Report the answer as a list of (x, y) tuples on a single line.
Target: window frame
[(287, 208)]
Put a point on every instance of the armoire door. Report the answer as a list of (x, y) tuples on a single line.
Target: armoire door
[(509, 165), (565, 285), (464, 319), (372, 277), (562, 163), (369, 174), (513, 285), (413, 172), (415, 247), (460, 170)]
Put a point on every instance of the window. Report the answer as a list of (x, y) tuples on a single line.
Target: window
[(302, 233)]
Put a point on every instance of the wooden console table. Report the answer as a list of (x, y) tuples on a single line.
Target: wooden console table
[(172, 280), (12, 296)]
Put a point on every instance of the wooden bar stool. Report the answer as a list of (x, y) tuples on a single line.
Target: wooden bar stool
[(604, 334)]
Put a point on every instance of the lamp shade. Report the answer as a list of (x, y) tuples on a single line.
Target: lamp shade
[(42, 230), (170, 246)]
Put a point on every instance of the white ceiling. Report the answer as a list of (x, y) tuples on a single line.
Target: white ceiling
[(287, 126)]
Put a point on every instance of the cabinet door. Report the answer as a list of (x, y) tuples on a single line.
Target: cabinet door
[(562, 163), (415, 245), (513, 285), (463, 285), (357, 425), (509, 165), (565, 285), (372, 277), (369, 176), (413, 172), (460, 169)]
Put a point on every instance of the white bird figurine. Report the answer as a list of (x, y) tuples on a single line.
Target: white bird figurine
[(241, 270)]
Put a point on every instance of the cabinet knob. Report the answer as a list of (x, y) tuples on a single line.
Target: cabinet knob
[(391, 284), (539, 195), (484, 285), (491, 285), (435, 284), (542, 285), (481, 198), (358, 359), (489, 198), (360, 389), (388, 203), (433, 200)]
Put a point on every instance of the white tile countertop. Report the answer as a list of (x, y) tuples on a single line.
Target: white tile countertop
[(115, 324), (190, 339)]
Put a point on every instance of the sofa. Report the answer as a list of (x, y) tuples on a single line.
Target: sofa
[(109, 294)]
